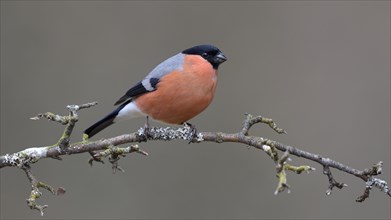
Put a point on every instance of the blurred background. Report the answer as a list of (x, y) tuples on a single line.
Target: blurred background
[(320, 69)]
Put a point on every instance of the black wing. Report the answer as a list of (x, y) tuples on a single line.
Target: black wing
[(105, 122), (139, 89)]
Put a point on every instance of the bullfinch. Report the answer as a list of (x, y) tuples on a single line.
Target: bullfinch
[(175, 91)]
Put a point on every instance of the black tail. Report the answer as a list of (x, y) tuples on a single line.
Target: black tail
[(105, 122)]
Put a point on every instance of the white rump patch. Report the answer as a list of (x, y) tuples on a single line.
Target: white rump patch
[(128, 112)]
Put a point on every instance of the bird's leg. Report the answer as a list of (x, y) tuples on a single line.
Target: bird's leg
[(193, 131), (147, 128)]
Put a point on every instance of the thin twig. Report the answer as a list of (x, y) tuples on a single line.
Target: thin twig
[(333, 183), (36, 193)]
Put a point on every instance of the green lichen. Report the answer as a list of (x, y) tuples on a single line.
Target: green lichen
[(282, 185), (85, 137), (298, 169)]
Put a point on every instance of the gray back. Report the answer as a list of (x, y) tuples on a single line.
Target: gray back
[(173, 63)]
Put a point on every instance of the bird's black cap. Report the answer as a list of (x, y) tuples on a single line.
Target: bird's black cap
[(209, 52)]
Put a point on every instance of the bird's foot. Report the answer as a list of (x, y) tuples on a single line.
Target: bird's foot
[(193, 135)]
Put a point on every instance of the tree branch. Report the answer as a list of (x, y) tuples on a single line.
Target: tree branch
[(36, 193), (108, 148)]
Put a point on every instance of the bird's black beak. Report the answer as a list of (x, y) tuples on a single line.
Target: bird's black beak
[(220, 58)]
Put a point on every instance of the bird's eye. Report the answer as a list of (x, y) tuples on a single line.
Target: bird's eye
[(204, 55)]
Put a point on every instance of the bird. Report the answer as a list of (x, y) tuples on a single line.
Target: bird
[(175, 91)]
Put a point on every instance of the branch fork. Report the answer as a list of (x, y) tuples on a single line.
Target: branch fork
[(373, 182), (29, 156), (332, 182), (113, 153)]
